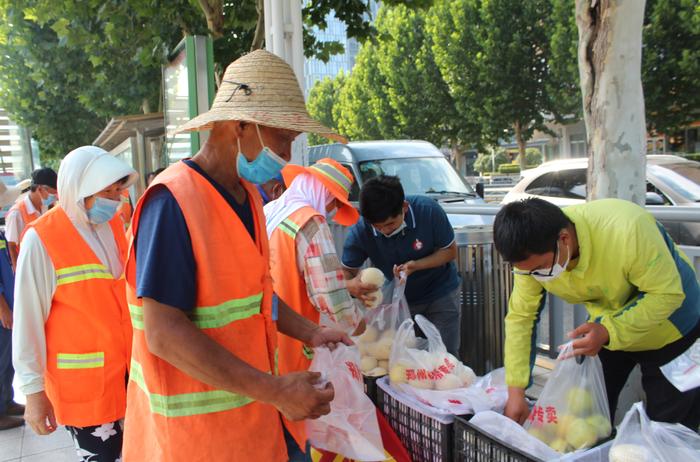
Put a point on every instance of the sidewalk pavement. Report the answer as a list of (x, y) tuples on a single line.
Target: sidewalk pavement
[(22, 444)]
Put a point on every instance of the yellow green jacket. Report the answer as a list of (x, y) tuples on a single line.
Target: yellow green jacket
[(629, 275)]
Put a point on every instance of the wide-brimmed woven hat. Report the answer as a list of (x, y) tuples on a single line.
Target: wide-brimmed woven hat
[(336, 178), (260, 88)]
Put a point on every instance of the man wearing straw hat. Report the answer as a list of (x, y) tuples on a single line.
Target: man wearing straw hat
[(202, 382)]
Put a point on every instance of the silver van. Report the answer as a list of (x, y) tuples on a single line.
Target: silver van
[(421, 167)]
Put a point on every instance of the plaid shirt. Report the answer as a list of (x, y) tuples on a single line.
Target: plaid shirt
[(325, 284)]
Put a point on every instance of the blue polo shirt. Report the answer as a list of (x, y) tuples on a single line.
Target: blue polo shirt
[(427, 230)]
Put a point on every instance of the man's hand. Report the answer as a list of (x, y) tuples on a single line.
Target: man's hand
[(516, 406), (325, 336), (38, 411), (593, 337), (360, 290), (407, 269), (298, 399), (5, 316)]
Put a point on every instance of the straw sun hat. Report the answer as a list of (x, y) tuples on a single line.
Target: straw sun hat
[(260, 88)]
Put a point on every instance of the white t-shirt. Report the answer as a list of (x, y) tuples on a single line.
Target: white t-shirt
[(14, 223)]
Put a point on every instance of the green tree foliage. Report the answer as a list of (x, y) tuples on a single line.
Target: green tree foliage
[(321, 102), (419, 99), (671, 63), (488, 163), (363, 111)]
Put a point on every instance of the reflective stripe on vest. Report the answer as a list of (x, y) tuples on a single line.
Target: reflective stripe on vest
[(82, 273), (335, 175), (3, 244), (290, 228), (187, 404), (209, 317), (81, 361)]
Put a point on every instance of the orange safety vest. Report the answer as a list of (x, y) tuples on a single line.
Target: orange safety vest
[(172, 416), (88, 332), (27, 217), (290, 286), (125, 210)]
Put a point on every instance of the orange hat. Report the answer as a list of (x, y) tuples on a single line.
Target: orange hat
[(336, 178)]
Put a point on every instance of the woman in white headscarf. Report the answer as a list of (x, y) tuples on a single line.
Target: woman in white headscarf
[(72, 334)]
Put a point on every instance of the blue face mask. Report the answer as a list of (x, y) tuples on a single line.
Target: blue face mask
[(264, 168), (102, 210), (49, 200)]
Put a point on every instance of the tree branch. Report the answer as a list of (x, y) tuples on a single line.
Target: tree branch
[(214, 12), (259, 38)]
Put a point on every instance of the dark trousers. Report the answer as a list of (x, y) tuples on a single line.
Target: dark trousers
[(665, 403), (101, 443), (7, 373)]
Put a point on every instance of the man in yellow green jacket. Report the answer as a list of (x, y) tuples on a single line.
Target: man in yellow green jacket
[(639, 289)]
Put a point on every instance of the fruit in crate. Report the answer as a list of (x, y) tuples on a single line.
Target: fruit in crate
[(601, 424), (375, 277), (376, 372), (629, 453), (579, 401), (367, 364), (381, 350), (423, 384), (371, 334), (540, 434), (563, 423), (581, 435), (397, 374), (559, 445), (448, 382)]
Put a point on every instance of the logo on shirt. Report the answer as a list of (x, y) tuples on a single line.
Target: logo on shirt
[(417, 245)]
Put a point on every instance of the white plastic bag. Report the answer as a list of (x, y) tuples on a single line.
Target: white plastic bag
[(382, 322), (423, 368), (351, 428), (642, 440), (572, 411), (684, 371)]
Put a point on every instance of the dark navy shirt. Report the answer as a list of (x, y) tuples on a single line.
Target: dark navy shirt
[(165, 266), (427, 230)]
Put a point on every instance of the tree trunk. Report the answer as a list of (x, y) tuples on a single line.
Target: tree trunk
[(610, 56), (521, 145), (146, 106), (214, 12), (259, 38)]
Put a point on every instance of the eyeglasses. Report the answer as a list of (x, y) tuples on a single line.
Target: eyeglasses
[(239, 86), (538, 272)]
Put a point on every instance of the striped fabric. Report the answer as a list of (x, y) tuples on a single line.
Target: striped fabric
[(81, 361), (209, 317), (82, 273), (333, 174), (187, 404)]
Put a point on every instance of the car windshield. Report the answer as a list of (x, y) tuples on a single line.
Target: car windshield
[(682, 177), (419, 175)]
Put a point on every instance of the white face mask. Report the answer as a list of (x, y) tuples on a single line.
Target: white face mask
[(395, 232), (548, 275)]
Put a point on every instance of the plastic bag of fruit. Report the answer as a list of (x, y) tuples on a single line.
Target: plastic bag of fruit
[(642, 440), (572, 411), (351, 428), (423, 368), (381, 325)]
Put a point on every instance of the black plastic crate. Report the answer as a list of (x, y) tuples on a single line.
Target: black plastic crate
[(425, 438), (371, 387), (471, 444)]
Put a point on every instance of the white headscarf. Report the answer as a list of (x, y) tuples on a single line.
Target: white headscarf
[(305, 190), (84, 172)]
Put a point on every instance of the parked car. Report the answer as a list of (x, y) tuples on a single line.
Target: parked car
[(671, 180), (422, 168)]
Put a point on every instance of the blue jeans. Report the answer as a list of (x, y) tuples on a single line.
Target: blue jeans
[(7, 373), (293, 451), (445, 313)]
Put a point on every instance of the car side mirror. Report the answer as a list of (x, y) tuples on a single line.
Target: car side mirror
[(479, 188), (654, 199)]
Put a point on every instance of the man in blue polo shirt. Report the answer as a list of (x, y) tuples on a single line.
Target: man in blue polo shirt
[(410, 234)]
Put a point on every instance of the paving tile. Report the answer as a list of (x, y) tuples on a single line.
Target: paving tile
[(12, 434), (10, 449), (34, 444), (59, 455)]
